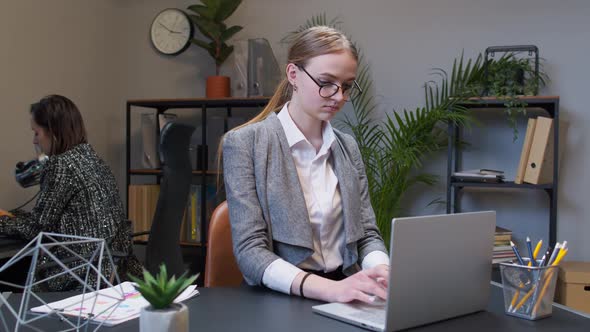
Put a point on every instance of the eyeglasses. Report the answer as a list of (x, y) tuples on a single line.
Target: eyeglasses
[(329, 89)]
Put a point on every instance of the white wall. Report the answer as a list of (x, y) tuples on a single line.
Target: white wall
[(106, 58)]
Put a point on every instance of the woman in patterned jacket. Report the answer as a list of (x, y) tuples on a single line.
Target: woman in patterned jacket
[(78, 196)]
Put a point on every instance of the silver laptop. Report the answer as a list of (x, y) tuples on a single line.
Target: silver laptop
[(440, 267)]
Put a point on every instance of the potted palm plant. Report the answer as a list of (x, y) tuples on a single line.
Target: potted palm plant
[(160, 291), (209, 18)]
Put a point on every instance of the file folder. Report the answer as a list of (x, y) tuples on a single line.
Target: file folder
[(526, 149), (539, 168)]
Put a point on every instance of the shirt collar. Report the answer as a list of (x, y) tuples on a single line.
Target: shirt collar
[(294, 135)]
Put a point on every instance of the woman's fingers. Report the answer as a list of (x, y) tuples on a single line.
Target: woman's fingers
[(370, 290), (379, 271)]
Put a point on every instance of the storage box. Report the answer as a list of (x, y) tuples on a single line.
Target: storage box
[(573, 285)]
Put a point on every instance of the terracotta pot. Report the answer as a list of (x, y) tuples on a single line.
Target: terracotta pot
[(218, 87)]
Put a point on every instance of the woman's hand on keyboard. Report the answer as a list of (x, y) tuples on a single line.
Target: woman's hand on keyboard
[(366, 286)]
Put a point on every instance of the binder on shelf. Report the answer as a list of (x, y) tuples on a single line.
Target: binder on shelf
[(539, 169), (526, 149), (149, 146)]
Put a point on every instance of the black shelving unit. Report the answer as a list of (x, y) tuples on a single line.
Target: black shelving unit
[(548, 103), (205, 105)]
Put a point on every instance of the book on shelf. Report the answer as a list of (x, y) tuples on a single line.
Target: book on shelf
[(193, 223), (479, 175), (502, 260), (502, 231), (142, 202), (502, 251), (502, 236), (478, 179), (502, 242), (482, 171), (192, 231), (499, 248)]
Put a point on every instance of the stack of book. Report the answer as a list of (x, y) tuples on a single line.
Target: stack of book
[(502, 250), (479, 175)]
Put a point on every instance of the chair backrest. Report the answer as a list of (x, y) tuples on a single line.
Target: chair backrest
[(164, 241), (221, 269)]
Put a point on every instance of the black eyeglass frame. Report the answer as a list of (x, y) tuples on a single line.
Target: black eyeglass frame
[(338, 87)]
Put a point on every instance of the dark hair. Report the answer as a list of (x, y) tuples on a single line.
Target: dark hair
[(62, 120)]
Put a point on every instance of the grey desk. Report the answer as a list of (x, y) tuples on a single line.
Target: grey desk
[(255, 309)]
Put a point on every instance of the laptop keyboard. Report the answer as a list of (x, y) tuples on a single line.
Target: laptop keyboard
[(372, 312)]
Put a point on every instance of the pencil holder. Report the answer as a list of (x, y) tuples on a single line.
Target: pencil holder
[(528, 291)]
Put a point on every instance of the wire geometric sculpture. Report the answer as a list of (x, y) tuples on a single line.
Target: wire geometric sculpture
[(85, 269)]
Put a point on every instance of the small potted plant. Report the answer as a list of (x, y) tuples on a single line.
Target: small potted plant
[(209, 18), (162, 314), (511, 77)]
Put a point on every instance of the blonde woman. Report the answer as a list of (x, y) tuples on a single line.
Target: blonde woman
[(302, 222)]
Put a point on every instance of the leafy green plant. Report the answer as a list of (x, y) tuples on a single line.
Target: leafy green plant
[(209, 18), (160, 291), (393, 150), (510, 77)]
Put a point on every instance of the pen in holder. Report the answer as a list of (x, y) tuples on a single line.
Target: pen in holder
[(528, 290)]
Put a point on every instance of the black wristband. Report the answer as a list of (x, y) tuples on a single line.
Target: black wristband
[(301, 284)]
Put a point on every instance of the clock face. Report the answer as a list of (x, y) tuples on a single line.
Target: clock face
[(171, 31)]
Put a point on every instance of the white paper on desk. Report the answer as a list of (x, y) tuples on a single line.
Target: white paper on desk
[(104, 305)]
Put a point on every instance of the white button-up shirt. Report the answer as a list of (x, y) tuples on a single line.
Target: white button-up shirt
[(324, 206)]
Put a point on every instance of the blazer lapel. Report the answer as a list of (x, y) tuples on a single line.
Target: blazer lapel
[(349, 192), (291, 224)]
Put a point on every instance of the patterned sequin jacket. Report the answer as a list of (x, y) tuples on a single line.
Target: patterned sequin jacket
[(78, 196)]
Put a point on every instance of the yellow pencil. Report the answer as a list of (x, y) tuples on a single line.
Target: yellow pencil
[(525, 298), (515, 297), (560, 256), (537, 248)]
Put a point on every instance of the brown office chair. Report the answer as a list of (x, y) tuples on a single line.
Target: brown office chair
[(221, 269)]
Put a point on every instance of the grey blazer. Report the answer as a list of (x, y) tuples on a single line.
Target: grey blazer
[(267, 210)]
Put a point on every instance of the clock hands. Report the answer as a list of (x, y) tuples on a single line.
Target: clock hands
[(165, 27)]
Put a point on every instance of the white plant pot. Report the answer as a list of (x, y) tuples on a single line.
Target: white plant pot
[(174, 319)]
